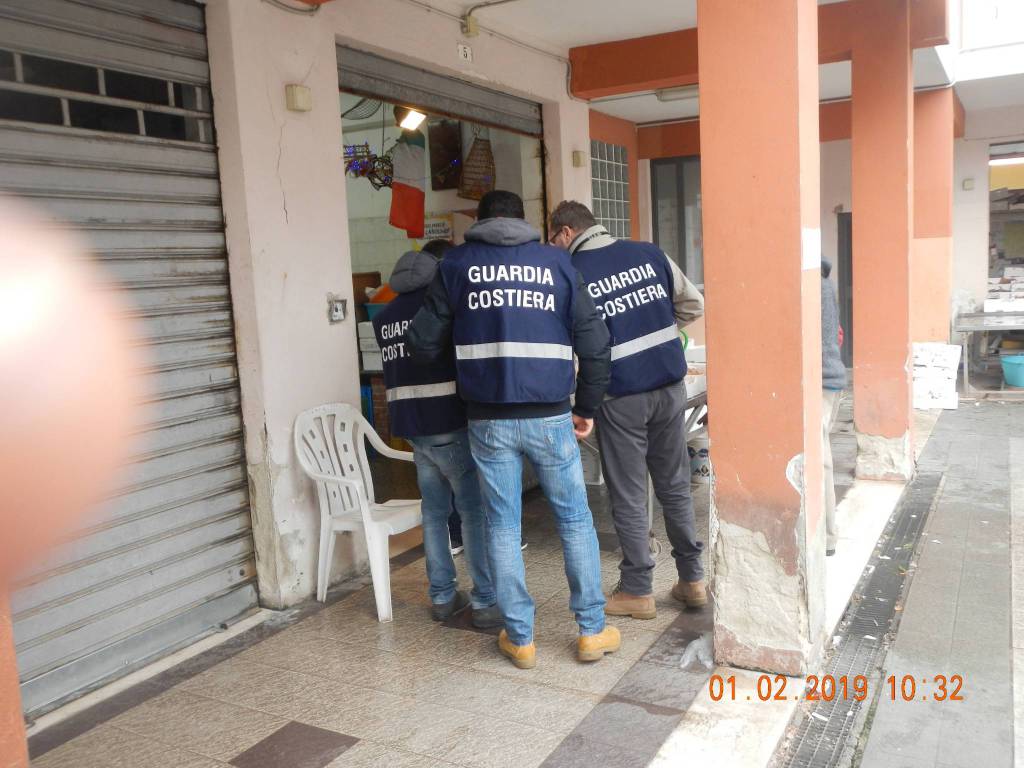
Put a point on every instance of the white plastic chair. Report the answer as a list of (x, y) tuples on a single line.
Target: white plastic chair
[(330, 444)]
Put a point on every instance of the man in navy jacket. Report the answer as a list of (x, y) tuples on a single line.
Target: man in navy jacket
[(644, 298), (517, 314), (425, 409)]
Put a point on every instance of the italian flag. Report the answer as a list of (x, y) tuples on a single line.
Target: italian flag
[(408, 188)]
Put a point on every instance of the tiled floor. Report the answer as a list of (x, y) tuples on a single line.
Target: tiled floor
[(337, 688), (340, 689)]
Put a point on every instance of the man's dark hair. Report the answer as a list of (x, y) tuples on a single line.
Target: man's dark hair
[(436, 248), (569, 213), (500, 204)]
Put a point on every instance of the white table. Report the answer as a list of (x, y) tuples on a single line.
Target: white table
[(994, 323)]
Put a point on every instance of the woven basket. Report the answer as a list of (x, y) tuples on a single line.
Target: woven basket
[(478, 172)]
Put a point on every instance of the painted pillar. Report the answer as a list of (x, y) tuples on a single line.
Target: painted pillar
[(882, 170), (764, 334), (931, 259), (13, 748), (566, 129), (283, 191)]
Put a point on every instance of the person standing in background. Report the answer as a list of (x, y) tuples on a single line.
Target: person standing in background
[(517, 313), (644, 299), (833, 382), (425, 409)]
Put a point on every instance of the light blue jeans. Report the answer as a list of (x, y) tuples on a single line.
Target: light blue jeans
[(447, 477), (499, 446)]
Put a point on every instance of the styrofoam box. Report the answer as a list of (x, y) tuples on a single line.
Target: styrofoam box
[(1004, 305), (948, 402), (936, 355), (372, 361), (368, 345), (365, 329)]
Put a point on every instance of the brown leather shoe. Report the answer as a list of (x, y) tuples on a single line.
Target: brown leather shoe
[(693, 593), (594, 647), (523, 656), (620, 603)]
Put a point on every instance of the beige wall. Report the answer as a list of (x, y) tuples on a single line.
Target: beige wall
[(288, 240)]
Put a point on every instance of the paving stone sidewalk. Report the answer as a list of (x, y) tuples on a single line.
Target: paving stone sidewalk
[(957, 617)]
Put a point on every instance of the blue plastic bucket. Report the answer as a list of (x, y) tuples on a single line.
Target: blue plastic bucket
[(1013, 370)]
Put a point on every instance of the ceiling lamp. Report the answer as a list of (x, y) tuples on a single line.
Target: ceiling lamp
[(412, 120), (682, 93)]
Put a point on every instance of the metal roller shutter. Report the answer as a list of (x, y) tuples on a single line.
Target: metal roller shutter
[(371, 75), (105, 121)]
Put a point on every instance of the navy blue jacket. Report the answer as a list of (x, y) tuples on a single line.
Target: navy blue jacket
[(512, 326), (422, 400), (631, 283), (516, 313)]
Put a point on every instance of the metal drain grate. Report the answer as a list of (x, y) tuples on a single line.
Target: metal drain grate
[(821, 736)]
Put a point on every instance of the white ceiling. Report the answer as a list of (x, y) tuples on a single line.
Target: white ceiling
[(992, 93), (834, 82), (645, 108), (558, 25)]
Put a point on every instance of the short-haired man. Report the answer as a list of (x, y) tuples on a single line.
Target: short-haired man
[(644, 298), (517, 312), (424, 408)]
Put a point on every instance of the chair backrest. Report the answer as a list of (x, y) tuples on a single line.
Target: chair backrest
[(330, 439)]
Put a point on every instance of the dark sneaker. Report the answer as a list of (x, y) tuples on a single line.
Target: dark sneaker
[(444, 611), (488, 618)]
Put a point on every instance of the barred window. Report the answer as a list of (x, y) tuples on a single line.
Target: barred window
[(609, 171), (38, 89)]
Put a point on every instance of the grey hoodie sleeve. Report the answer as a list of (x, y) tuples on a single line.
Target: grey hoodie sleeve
[(591, 343), (430, 332), (687, 300)]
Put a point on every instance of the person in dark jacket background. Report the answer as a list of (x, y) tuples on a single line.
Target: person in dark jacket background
[(424, 408), (644, 299), (833, 382), (517, 312)]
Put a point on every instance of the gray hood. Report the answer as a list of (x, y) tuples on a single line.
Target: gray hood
[(415, 270), (503, 231)]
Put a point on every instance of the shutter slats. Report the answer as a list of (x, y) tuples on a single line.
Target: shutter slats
[(169, 554)]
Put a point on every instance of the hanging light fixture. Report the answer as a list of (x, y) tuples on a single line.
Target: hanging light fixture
[(412, 120)]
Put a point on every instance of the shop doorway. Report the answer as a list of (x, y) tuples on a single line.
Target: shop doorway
[(421, 149), (844, 249)]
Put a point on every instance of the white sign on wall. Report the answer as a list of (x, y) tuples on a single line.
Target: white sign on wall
[(438, 228)]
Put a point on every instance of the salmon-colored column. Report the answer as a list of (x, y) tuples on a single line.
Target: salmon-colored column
[(931, 259), (13, 749), (882, 132), (760, 192)]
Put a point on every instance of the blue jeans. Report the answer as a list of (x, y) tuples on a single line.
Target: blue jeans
[(499, 446), (447, 477)]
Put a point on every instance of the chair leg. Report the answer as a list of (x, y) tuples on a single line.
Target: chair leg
[(332, 539), (380, 570), (323, 565)]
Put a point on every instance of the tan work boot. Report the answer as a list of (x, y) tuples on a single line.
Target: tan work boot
[(594, 647), (693, 593), (523, 656), (620, 603)]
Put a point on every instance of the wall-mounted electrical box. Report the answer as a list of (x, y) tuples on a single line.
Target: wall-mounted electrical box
[(298, 98)]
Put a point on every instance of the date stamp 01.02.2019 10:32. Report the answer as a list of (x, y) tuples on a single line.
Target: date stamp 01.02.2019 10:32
[(830, 688)]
